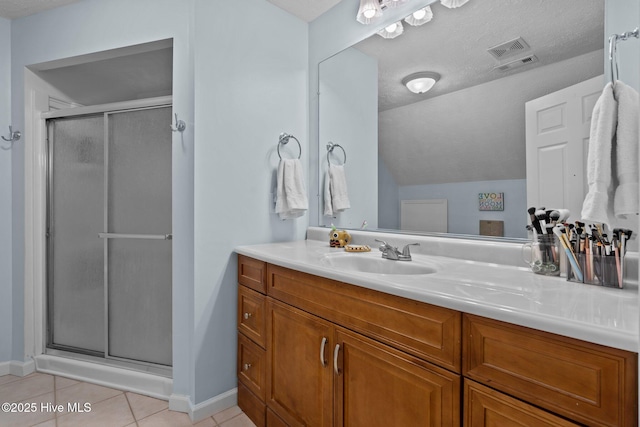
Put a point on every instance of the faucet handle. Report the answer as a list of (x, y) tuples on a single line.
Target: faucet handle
[(384, 246), (405, 250)]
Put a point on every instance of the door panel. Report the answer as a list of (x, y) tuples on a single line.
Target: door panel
[(557, 126), (298, 385), (140, 172), (139, 202), (75, 253), (379, 386), (140, 300)]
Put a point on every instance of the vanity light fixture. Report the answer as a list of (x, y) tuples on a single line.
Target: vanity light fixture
[(391, 31), (421, 82), (419, 17), (369, 10)]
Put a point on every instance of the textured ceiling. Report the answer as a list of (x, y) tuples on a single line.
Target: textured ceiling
[(455, 43), (11, 9)]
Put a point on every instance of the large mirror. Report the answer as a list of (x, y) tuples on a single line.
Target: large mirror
[(449, 153)]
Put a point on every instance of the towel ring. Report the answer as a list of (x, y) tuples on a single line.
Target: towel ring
[(284, 139), (330, 147)]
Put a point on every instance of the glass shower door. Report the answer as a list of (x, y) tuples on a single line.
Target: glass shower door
[(75, 254), (109, 257), (138, 227)]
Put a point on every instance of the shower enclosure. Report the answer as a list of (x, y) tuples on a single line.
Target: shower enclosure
[(109, 235)]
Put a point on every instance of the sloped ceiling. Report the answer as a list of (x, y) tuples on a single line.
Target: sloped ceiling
[(12, 9)]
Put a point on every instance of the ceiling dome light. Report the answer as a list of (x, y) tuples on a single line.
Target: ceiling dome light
[(419, 17), (391, 31), (369, 10), (452, 4), (421, 82)]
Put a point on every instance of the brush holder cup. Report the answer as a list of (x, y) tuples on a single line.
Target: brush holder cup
[(595, 269), (543, 255)]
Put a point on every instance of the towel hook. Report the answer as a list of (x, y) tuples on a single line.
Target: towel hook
[(180, 125), (613, 43), (13, 135), (330, 147), (284, 139)]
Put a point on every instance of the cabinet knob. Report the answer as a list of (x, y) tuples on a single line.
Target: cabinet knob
[(246, 366), (247, 316)]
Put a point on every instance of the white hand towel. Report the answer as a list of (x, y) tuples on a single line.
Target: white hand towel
[(328, 205), (336, 196), (626, 193), (598, 203), (291, 198)]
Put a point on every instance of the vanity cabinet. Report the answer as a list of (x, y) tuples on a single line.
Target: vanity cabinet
[(588, 383), (342, 355), (318, 352)]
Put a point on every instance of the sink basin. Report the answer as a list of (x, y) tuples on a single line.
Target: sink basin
[(368, 263)]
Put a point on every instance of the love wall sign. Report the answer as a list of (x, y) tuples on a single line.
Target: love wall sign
[(491, 201)]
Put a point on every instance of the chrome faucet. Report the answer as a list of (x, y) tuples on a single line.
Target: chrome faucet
[(392, 252)]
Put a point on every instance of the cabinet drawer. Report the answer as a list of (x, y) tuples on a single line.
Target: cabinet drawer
[(252, 273), (426, 331), (251, 406), (251, 366), (251, 314), (588, 383), (485, 407)]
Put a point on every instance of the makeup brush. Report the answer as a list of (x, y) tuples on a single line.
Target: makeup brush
[(558, 231), (541, 215), (564, 214), (534, 220)]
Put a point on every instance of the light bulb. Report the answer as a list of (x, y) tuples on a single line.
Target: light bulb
[(369, 13), (420, 14), (391, 28)]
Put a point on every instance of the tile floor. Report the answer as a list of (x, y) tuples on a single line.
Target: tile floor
[(45, 394)]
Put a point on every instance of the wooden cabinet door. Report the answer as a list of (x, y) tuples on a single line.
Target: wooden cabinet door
[(299, 384), (378, 386)]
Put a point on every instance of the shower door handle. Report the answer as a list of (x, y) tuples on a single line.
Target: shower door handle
[(135, 236)]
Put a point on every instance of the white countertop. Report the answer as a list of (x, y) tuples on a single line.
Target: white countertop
[(512, 294)]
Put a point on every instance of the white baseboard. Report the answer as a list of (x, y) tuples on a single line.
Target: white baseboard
[(204, 409), (19, 369)]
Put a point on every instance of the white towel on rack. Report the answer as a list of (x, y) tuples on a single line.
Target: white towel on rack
[(291, 197), (626, 193), (336, 195), (598, 203)]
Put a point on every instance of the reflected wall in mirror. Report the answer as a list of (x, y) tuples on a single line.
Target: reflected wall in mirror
[(466, 136)]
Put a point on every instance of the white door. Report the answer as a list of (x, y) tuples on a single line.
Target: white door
[(557, 138)]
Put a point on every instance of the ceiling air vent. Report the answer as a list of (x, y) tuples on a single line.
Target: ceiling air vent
[(508, 49), (517, 63)]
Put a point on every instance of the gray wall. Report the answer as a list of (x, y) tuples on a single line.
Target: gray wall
[(349, 117), (237, 90), (463, 215), (6, 288), (249, 87)]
